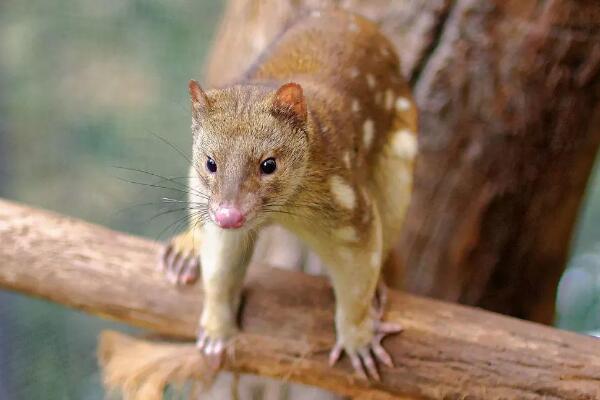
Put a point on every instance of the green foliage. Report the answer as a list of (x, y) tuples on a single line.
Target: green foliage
[(84, 86), (578, 300)]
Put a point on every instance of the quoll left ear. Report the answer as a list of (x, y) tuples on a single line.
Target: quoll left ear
[(289, 100), (200, 101)]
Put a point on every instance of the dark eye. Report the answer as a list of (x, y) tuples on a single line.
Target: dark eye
[(211, 165), (268, 166)]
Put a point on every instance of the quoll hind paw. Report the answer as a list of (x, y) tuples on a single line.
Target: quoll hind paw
[(364, 360), (180, 266)]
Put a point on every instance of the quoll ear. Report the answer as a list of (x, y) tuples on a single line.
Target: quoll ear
[(289, 100), (200, 101)]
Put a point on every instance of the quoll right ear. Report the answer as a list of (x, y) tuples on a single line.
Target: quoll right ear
[(289, 100), (200, 101)]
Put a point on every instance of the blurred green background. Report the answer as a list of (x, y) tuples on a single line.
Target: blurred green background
[(87, 86)]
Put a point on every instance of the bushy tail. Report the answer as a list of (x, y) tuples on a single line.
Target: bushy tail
[(142, 369)]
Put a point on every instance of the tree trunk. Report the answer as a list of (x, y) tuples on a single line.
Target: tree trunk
[(510, 125)]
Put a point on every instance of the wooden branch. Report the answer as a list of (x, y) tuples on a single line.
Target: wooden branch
[(447, 351)]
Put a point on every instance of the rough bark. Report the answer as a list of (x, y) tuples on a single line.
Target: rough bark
[(447, 350), (510, 125)]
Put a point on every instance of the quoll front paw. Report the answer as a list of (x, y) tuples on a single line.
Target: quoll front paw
[(179, 260), (217, 326), (364, 357), (211, 346)]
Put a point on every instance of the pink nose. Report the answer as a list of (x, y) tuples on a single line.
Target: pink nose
[(229, 217)]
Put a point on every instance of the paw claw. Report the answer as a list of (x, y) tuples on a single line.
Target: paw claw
[(369, 363), (201, 341), (387, 328), (218, 347), (381, 354), (190, 270), (180, 268), (162, 258), (335, 354), (357, 365), (178, 264), (209, 348)]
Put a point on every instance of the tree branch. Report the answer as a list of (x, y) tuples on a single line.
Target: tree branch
[(447, 350)]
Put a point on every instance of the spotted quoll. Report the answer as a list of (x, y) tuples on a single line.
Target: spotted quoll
[(319, 136)]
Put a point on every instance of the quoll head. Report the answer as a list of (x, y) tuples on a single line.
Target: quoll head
[(250, 150)]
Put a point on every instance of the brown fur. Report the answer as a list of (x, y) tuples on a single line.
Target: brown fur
[(322, 53)]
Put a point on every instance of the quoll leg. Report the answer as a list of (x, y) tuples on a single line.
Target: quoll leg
[(359, 326), (224, 259), (360, 302)]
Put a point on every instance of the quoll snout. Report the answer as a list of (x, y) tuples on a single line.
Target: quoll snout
[(229, 217)]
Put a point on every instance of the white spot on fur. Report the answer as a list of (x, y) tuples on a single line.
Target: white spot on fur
[(368, 132), (384, 51), (402, 104), (404, 144), (347, 234), (375, 259), (355, 105), (343, 193), (389, 99), (371, 81), (354, 72), (347, 161)]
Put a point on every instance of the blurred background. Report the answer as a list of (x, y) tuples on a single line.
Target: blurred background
[(89, 90), (87, 87)]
